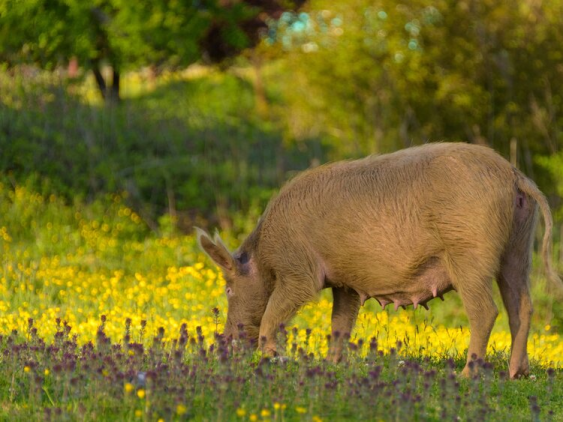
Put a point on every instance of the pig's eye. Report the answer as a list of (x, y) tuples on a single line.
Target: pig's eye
[(229, 291)]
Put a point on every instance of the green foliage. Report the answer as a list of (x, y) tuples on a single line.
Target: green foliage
[(554, 164), (379, 76), (190, 148), (127, 35), (123, 33), (348, 79)]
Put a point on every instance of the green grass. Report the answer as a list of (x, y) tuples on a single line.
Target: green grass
[(187, 380)]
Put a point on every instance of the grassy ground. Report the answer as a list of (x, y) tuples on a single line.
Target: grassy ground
[(102, 319)]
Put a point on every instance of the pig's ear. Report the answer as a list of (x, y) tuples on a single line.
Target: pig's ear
[(215, 250)]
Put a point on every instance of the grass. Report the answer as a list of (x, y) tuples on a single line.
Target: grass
[(102, 319), (188, 380)]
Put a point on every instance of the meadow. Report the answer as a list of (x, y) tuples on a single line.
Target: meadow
[(108, 310), (103, 319)]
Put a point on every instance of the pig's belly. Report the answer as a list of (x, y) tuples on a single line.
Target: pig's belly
[(415, 287)]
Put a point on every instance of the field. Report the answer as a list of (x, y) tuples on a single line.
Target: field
[(125, 124), (103, 320)]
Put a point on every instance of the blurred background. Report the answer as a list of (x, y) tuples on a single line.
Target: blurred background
[(200, 109)]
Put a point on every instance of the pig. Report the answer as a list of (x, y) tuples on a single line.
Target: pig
[(402, 228)]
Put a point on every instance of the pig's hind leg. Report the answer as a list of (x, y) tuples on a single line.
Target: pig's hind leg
[(345, 308), (514, 283), (471, 275), (477, 297)]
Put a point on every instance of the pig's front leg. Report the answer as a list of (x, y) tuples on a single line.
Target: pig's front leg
[(345, 308), (284, 302)]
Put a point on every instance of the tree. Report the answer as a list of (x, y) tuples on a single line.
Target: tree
[(126, 35), (375, 76)]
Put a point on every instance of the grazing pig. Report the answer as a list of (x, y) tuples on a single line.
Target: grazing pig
[(402, 228)]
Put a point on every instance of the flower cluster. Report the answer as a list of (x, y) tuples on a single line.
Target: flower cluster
[(77, 263), (214, 379)]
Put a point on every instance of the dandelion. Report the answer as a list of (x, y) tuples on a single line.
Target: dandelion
[(46, 372), (141, 393), (265, 413), (128, 388), (277, 406), (241, 412), (253, 417), (300, 410), (26, 369), (181, 409), (317, 419), (138, 413)]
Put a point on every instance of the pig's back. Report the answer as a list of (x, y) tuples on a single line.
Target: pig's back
[(414, 176)]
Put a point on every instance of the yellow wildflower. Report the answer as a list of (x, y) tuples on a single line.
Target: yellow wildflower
[(181, 409), (141, 393)]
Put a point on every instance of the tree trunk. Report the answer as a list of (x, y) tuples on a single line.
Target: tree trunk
[(115, 87), (100, 80), (110, 94)]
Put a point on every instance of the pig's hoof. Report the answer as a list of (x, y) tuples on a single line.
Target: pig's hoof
[(466, 373), (269, 353), (521, 373), (334, 358)]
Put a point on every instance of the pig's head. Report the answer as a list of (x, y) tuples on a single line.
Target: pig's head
[(246, 294)]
